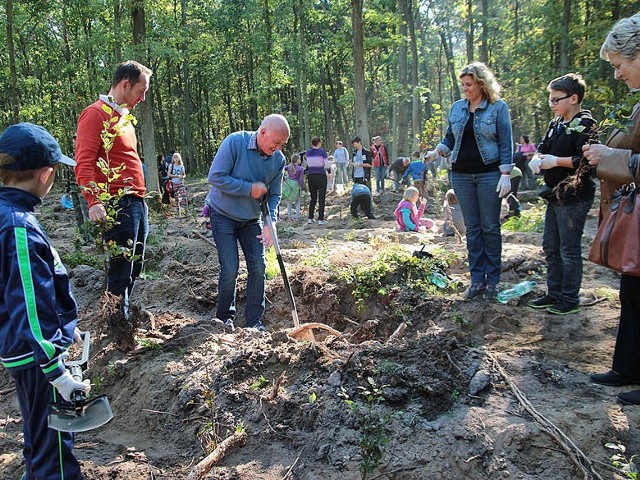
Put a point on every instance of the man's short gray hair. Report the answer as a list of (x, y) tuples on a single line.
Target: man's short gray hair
[(623, 39)]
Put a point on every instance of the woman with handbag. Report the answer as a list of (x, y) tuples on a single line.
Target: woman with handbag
[(615, 162)]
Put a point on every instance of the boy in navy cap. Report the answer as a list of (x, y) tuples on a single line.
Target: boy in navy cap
[(38, 314)]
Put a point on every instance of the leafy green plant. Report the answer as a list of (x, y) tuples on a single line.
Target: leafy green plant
[(320, 255), (462, 321), (78, 257), (530, 220), (350, 236), (392, 267), (373, 424), (313, 398), (271, 263), (619, 460), (112, 128), (150, 344), (260, 383)]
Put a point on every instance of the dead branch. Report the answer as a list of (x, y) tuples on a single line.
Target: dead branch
[(159, 412), (273, 394), (7, 391), (456, 366), (397, 334), (238, 439), (210, 242), (290, 469), (577, 456)]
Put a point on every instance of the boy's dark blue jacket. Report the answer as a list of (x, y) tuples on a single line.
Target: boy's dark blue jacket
[(38, 313)]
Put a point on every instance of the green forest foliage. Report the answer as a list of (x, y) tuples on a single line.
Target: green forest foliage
[(221, 65)]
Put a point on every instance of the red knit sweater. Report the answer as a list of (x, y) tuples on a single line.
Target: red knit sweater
[(89, 148)]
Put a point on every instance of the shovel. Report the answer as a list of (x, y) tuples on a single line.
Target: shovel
[(80, 414), (299, 332)]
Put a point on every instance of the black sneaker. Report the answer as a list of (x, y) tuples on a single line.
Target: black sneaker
[(543, 302), (474, 290), (612, 379), (629, 398), (228, 325), (564, 308)]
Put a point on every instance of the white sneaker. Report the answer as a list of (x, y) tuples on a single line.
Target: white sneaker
[(322, 222), (310, 221)]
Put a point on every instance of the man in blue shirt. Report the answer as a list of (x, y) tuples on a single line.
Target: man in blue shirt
[(247, 170)]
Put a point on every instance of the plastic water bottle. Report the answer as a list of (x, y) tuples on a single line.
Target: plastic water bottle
[(439, 280), (516, 291)]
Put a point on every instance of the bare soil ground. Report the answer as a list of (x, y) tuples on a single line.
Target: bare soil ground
[(473, 389)]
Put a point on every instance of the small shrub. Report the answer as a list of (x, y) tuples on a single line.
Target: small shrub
[(531, 220)]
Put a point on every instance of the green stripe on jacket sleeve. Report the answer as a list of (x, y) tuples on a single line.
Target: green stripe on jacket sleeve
[(28, 290)]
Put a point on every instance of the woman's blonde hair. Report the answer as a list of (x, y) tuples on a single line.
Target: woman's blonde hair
[(623, 39), (481, 74), (410, 192), (176, 156)]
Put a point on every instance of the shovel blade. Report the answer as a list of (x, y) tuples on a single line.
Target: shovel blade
[(94, 414)]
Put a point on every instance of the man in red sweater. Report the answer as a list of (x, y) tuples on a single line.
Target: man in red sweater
[(128, 88)]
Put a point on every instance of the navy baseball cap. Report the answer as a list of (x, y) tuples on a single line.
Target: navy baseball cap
[(32, 147)]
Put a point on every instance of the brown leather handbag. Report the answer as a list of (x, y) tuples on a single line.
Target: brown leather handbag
[(617, 242)]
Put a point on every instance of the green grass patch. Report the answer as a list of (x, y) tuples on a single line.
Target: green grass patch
[(78, 257), (531, 220)]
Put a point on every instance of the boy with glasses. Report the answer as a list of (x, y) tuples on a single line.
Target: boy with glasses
[(570, 193)]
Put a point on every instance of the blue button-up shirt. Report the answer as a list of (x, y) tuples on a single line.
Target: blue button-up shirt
[(491, 127)]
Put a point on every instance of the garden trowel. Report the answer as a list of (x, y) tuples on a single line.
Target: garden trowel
[(80, 414)]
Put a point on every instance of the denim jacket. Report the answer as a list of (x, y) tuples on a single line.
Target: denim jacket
[(492, 127)]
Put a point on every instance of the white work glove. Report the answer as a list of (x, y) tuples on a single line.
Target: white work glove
[(431, 155), (77, 337), (548, 161), (504, 185), (66, 385), (534, 165)]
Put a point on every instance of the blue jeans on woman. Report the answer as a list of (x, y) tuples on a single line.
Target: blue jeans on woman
[(130, 232), (380, 172), (480, 206), (227, 233), (562, 246)]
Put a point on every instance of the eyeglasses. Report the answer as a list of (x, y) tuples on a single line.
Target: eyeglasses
[(556, 101)]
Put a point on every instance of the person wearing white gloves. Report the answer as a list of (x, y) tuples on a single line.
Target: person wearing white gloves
[(480, 145), (569, 191), (38, 314)]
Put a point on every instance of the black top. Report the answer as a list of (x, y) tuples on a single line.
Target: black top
[(565, 139), (469, 158)]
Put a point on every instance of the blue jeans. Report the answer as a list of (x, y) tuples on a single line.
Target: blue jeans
[(342, 176), (380, 173), (227, 233), (561, 243), (47, 452), (130, 232), (480, 206)]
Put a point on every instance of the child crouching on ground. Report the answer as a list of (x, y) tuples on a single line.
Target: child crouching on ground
[(453, 220), (361, 198), (38, 312), (409, 216)]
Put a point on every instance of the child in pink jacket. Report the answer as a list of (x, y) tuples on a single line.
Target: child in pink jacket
[(409, 217)]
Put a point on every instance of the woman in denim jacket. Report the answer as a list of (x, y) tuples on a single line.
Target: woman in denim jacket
[(479, 142)]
